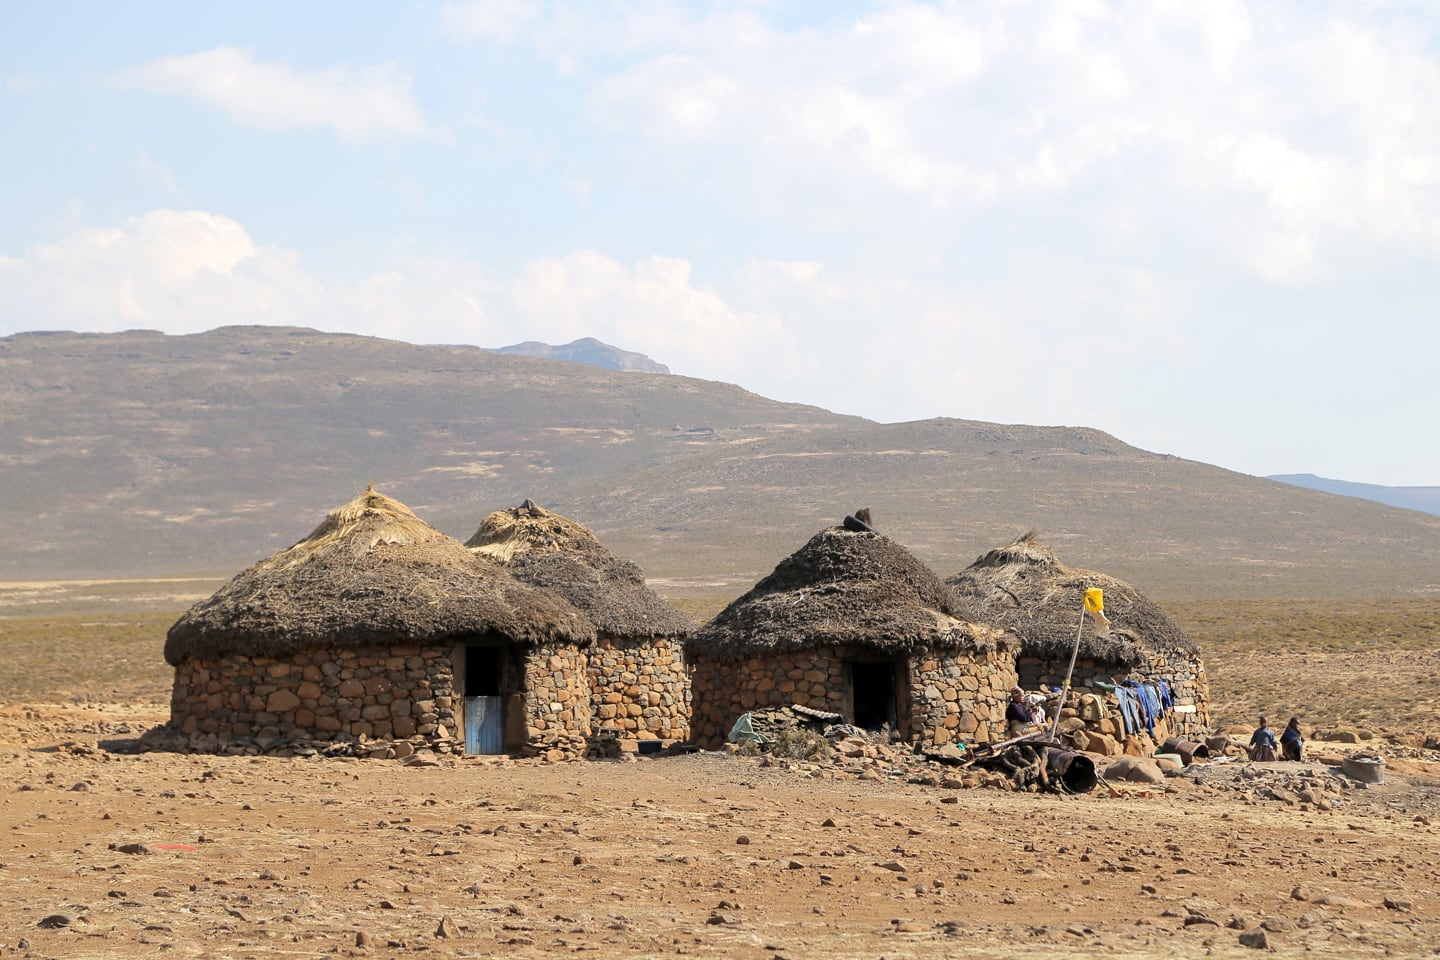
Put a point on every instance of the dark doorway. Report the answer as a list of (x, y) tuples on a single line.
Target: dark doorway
[(483, 670), (873, 686), (484, 704)]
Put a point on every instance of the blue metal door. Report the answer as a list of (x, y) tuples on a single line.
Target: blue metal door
[(484, 725)]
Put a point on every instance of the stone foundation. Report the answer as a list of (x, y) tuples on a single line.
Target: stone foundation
[(943, 697), (639, 689)]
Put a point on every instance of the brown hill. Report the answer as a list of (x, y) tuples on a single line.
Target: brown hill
[(141, 454)]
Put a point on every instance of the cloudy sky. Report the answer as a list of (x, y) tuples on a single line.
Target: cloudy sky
[(1211, 228)]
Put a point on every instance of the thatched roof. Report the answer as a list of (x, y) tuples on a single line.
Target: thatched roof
[(1023, 588), (546, 550), (857, 588), (372, 573)]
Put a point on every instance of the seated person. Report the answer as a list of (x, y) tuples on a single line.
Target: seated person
[(1291, 742), (1018, 718), (1043, 705)]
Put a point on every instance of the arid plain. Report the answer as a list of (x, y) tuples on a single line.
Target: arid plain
[(109, 853)]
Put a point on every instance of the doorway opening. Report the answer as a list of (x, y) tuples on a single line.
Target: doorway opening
[(484, 703), (872, 687), (483, 671)]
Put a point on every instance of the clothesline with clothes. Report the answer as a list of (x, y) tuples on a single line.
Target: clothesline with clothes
[(1142, 702)]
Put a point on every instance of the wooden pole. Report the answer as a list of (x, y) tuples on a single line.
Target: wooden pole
[(1074, 652)]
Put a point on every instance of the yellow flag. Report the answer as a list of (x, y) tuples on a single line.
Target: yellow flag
[(1095, 606)]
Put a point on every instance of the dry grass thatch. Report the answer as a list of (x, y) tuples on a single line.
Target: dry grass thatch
[(545, 549), (843, 587), (1023, 588), (372, 573)]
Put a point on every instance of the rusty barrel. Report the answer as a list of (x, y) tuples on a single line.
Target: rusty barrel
[(1072, 771)]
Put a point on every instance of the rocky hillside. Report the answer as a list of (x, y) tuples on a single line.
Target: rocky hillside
[(140, 454)]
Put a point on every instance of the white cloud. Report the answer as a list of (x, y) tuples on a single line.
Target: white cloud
[(25, 82), (189, 271), (651, 305), (1282, 130), (500, 20), (180, 271), (358, 104)]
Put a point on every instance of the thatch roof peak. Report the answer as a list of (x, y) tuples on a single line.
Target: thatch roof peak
[(530, 528), (372, 572), (848, 587), (548, 550), (1024, 588)]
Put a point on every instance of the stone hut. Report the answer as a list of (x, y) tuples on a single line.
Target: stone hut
[(853, 624), (636, 670), (374, 635), (1025, 590)]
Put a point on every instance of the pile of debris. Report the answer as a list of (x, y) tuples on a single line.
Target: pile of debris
[(821, 745)]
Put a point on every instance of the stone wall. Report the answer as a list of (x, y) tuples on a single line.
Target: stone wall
[(639, 689), (557, 702), (1189, 687), (322, 694), (348, 700), (951, 696), (960, 698)]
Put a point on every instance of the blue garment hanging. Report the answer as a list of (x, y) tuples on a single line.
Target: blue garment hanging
[(1166, 700), (1129, 709), (1143, 700)]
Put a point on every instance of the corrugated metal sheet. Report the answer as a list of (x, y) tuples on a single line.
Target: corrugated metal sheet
[(484, 725)]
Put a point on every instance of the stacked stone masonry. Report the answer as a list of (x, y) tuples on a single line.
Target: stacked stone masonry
[(359, 696), (557, 693), (323, 694), (949, 698), (1189, 688), (639, 689)]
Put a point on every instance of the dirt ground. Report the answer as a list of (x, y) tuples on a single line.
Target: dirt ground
[(108, 854)]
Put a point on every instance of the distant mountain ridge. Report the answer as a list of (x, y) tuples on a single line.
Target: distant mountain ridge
[(140, 454), (1424, 499), (587, 350)]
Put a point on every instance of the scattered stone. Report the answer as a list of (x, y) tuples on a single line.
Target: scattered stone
[(55, 921), (1135, 770), (1345, 903), (1255, 940), (447, 929)]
